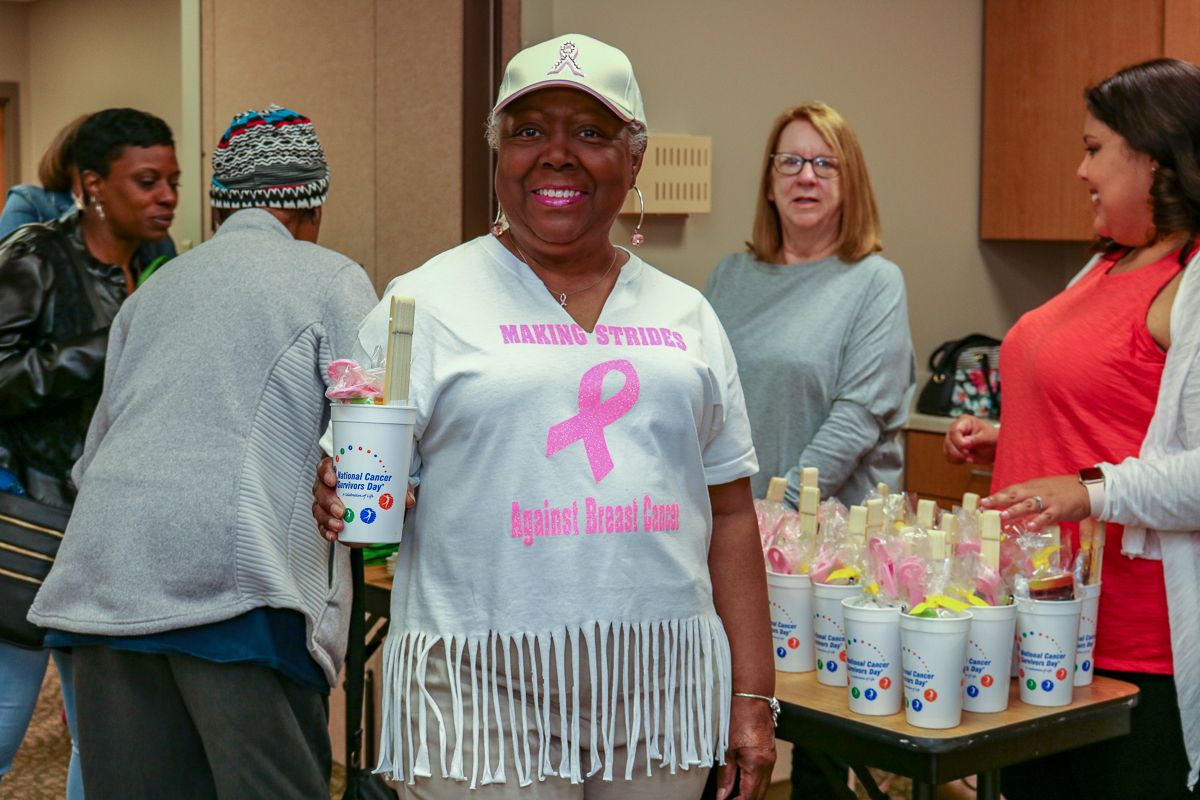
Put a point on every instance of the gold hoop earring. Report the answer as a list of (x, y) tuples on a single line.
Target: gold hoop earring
[(638, 238)]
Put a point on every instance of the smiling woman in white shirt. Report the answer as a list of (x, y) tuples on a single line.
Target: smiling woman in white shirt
[(579, 608)]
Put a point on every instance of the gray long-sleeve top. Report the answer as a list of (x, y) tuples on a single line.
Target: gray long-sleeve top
[(194, 499), (826, 361)]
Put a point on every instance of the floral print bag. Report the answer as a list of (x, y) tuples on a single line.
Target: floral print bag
[(965, 379)]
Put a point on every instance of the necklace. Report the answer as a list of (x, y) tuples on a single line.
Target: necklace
[(562, 296)]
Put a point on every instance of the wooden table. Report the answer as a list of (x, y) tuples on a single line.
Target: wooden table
[(817, 717), (379, 590)]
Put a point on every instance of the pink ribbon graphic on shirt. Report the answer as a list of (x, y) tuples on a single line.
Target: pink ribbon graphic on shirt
[(595, 414)]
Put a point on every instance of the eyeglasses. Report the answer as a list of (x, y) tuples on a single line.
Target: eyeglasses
[(791, 164)]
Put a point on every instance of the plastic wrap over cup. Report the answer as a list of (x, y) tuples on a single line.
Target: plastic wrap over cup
[(1086, 640), (829, 631), (791, 601), (372, 455), (987, 670), (872, 657), (1047, 635), (932, 652)]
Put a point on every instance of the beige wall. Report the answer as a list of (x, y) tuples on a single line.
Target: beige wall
[(906, 74), (85, 56), (75, 56), (381, 80), (14, 68)]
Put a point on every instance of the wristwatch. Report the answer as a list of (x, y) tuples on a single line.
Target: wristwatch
[(1092, 479)]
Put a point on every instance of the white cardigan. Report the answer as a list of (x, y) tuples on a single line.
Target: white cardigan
[(1157, 497)]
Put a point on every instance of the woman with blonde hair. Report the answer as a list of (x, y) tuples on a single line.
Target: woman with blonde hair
[(817, 318), (818, 322)]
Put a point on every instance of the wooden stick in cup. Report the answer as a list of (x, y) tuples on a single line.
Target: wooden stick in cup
[(810, 476), (776, 489), (970, 502), (399, 350), (810, 500), (926, 510), (874, 516), (949, 523), (937, 545), (1097, 552), (856, 524), (989, 536), (1055, 534), (1086, 532)]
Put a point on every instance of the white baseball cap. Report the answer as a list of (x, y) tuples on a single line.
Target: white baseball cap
[(579, 62)]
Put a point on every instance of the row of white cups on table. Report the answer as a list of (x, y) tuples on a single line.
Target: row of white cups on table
[(932, 667)]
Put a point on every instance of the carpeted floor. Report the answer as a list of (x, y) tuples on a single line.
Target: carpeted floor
[(39, 771)]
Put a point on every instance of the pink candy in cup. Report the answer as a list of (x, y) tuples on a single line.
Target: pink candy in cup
[(987, 585), (351, 381), (910, 575), (885, 569), (778, 561)]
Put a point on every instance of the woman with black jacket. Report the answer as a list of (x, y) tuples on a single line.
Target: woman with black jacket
[(61, 284)]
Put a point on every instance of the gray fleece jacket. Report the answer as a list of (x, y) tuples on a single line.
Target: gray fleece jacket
[(194, 485)]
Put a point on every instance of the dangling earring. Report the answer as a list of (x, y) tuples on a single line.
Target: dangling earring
[(98, 206), (638, 238), (498, 223)]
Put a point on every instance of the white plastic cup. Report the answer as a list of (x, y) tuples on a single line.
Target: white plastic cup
[(1086, 641), (372, 454), (932, 651), (829, 631), (791, 601), (987, 670), (872, 657), (1047, 634)]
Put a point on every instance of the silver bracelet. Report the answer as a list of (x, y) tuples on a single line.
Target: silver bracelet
[(771, 702)]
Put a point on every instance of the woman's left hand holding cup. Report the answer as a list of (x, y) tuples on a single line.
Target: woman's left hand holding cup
[(327, 509)]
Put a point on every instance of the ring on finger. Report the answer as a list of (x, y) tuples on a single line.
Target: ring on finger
[(1037, 500)]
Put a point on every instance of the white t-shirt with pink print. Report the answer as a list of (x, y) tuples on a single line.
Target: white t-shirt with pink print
[(563, 511)]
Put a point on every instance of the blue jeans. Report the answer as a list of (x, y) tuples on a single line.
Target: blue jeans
[(21, 673)]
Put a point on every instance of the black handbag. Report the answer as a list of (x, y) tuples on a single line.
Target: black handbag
[(30, 534), (965, 379)]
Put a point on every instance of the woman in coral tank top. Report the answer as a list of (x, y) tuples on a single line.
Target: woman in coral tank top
[(1101, 418)]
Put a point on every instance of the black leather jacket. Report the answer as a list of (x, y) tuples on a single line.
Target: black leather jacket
[(56, 304)]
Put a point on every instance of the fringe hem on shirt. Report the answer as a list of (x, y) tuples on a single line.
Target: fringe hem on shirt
[(668, 669)]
